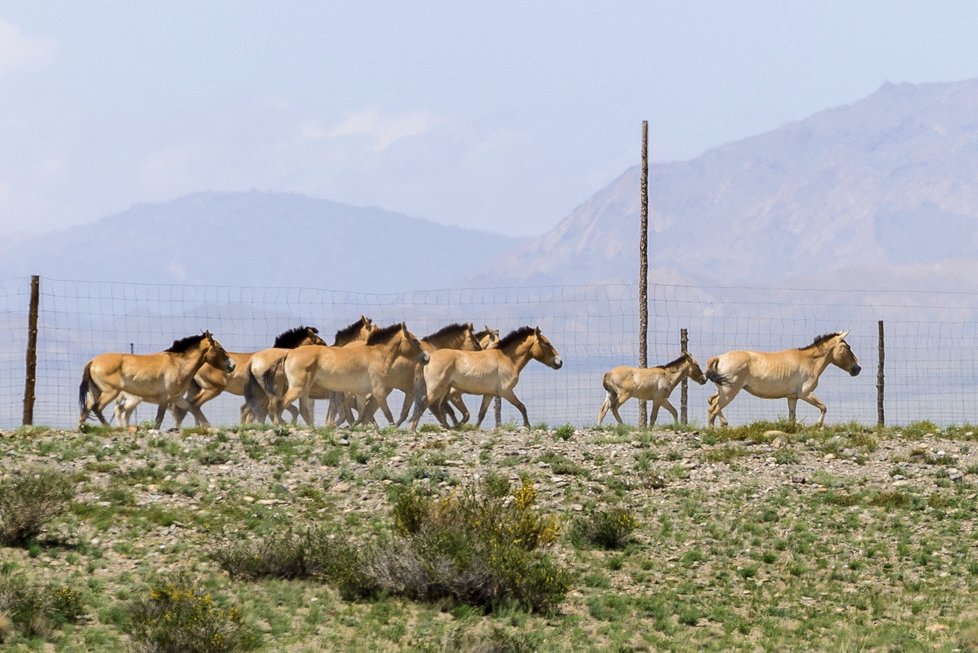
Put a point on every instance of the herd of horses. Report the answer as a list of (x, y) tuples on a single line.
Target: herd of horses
[(365, 363)]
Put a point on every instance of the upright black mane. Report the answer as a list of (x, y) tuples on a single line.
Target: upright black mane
[(184, 344), (450, 330), (384, 335), (346, 334), (290, 339), (675, 362), (516, 335), (825, 337)]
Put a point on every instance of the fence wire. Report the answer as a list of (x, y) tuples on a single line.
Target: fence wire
[(930, 340)]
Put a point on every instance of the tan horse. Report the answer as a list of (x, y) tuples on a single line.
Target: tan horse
[(356, 370), (791, 374), (492, 372), (161, 378), (258, 401), (405, 374), (211, 381), (487, 339), (653, 384)]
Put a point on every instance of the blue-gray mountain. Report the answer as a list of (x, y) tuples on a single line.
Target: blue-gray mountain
[(263, 239), (879, 193)]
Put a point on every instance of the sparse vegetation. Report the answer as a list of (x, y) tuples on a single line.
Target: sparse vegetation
[(29, 501)]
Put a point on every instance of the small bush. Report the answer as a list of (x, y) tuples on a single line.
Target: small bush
[(30, 501), (34, 610), (288, 555), (564, 432), (179, 616), (610, 528)]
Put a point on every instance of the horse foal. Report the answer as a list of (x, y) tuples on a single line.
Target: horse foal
[(653, 384)]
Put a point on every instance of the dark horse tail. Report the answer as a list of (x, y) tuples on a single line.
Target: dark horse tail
[(254, 397), (712, 374), (87, 387), (268, 378)]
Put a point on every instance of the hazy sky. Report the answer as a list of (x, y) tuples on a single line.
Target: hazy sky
[(493, 115)]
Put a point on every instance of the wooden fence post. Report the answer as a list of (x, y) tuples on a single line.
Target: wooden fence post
[(643, 273), (683, 347), (880, 416), (30, 379)]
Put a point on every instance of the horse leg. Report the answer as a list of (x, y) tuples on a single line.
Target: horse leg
[(104, 400), (618, 403), (510, 396), (160, 413), (295, 412), (792, 406), (405, 408), (486, 400), (655, 413), (672, 410), (724, 396), (456, 398), (604, 408), (813, 400)]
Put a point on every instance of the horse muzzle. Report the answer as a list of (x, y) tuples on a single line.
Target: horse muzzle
[(558, 363), (855, 370), (425, 358), (229, 367)]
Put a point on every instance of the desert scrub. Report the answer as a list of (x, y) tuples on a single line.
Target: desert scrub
[(34, 610), (177, 615), (292, 554), (608, 528), (29, 501)]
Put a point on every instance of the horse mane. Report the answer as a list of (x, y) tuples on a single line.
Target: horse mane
[(450, 330), (185, 344), (290, 339), (676, 362), (516, 335), (383, 336), (347, 333), (825, 337)]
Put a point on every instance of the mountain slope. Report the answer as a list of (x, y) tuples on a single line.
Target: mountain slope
[(257, 238), (891, 180)]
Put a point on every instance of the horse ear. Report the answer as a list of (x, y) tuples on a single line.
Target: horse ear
[(842, 336), (536, 329), (471, 327)]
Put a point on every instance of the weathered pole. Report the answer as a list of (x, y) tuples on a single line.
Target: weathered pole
[(643, 273), (683, 347), (880, 417), (30, 378)]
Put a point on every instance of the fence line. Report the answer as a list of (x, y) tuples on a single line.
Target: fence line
[(931, 338)]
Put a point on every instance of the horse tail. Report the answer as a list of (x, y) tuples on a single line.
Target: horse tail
[(87, 387), (609, 386), (712, 374), (253, 394), (268, 378)]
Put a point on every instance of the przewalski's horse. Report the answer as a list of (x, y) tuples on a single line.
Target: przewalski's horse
[(258, 402), (791, 374), (161, 378), (653, 384), (356, 369), (491, 372), (487, 337), (211, 381), (405, 374)]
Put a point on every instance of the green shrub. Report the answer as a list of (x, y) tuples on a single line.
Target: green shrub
[(178, 616), (292, 554), (609, 528), (564, 432), (29, 501), (33, 609)]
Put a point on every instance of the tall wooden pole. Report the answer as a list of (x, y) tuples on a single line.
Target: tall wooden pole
[(880, 417), (643, 273), (30, 378), (684, 396)]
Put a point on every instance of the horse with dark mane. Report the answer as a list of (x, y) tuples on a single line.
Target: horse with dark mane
[(791, 374)]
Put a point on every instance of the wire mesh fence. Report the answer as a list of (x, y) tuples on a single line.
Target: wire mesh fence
[(930, 372)]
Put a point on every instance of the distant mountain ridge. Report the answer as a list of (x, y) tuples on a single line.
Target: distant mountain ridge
[(885, 187), (256, 238)]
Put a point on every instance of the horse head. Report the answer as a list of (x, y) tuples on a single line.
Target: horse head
[(841, 355), (410, 347), (216, 356), (694, 371), (312, 337), (545, 352)]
